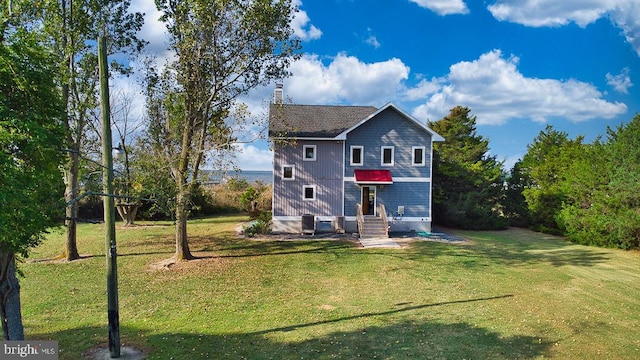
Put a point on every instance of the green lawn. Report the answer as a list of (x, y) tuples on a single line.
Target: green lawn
[(502, 295)]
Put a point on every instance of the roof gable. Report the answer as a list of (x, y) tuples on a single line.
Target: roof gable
[(434, 136)]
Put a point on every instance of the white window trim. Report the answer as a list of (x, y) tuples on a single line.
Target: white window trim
[(351, 148), (293, 173), (382, 149), (304, 152), (413, 156), (304, 192)]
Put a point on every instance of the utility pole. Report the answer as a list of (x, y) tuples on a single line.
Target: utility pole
[(109, 206)]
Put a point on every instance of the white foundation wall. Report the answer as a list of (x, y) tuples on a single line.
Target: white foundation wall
[(293, 225)]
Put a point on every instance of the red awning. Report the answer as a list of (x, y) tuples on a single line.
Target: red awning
[(381, 177)]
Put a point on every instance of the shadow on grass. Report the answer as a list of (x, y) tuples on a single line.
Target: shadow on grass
[(271, 248), (509, 247), (406, 339), (390, 312), (515, 247), (481, 252)]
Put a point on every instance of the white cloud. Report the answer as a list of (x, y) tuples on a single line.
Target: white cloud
[(423, 89), (497, 92), (549, 12), (373, 41), (625, 14), (444, 7), (153, 31), (122, 88), (301, 26), (250, 157), (345, 79), (621, 82)]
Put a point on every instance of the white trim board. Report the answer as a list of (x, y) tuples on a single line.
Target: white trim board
[(396, 179)]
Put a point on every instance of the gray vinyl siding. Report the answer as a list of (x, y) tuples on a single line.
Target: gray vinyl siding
[(389, 128), (414, 196), (325, 173)]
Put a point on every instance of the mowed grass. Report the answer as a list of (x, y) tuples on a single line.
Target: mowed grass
[(502, 295)]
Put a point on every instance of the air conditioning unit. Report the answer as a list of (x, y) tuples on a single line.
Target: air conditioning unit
[(340, 225), (308, 224)]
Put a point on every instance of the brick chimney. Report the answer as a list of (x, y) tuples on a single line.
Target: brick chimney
[(278, 94)]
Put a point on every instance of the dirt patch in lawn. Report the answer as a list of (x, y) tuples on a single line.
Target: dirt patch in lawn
[(203, 262)]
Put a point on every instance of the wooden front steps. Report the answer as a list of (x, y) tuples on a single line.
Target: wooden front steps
[(373, 227)]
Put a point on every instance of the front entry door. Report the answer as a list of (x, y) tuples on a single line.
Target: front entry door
[(369, 200)]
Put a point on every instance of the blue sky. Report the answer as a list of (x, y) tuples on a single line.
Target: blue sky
[(517, 64)]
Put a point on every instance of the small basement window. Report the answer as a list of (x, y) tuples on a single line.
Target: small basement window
[(309, 192)]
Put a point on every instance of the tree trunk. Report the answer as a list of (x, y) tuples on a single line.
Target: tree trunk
[(71, 212), (10, 311), (182, 243), (127, 213)]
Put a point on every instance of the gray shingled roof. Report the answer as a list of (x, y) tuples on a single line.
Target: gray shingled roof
[(317, 121)]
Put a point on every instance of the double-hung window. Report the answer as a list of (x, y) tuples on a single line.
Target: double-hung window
[(288, 172), (418, 156), (309, 192), (357, 155), (386, 155), (309, 152)]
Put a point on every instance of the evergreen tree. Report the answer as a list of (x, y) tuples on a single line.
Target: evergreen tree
[(467, 182), (603, 191), (545, 164), (515, 205)]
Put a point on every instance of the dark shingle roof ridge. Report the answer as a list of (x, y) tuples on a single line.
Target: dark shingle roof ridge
[(332, 105)]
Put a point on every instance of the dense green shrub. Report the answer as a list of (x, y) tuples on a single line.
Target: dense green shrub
[(469, 211), (595, 226), (261, 225), (602, 191)]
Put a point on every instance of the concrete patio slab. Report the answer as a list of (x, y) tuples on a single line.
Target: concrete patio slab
[(379, 243)]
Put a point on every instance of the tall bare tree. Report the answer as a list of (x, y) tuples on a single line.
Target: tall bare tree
[(72, 27), (127, 124), (223, 49)]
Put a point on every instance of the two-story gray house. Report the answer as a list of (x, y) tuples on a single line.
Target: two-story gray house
[(349, 168)]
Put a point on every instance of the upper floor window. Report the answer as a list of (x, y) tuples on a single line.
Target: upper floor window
[(309, 152), (418, 157), (357, 153), (386, 154), (288, 172)]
